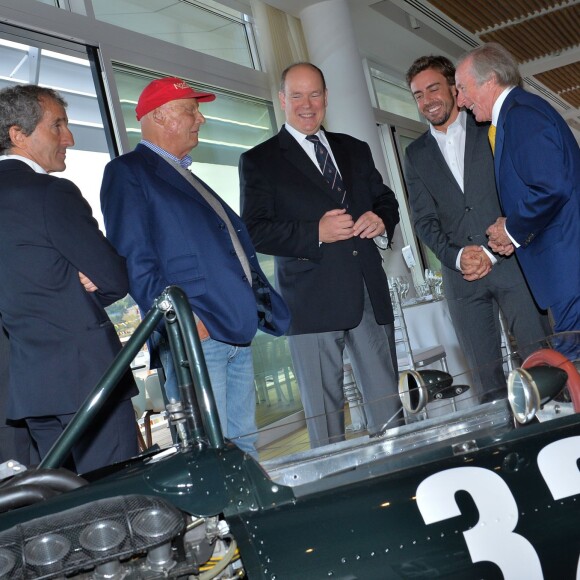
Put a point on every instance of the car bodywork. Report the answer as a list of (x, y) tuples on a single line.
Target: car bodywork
[(467, 495)]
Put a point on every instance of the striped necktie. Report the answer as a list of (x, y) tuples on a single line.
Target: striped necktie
[(491, 137), (329, 171)]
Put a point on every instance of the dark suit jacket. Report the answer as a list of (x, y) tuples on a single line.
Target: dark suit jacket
[(61, 339), (171, 236), (447, 218), (283, 198), (537, 168)]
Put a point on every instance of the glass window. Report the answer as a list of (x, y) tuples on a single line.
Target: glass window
[(233, 125), (71, 76), (204, 26), (393, 96), (429, 259)]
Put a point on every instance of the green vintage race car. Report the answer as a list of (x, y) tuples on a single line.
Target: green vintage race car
[(488, 492)]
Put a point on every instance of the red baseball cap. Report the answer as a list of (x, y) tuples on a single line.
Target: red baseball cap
[(161, 91)]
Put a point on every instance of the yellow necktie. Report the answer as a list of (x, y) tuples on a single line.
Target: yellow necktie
[(491, 137)]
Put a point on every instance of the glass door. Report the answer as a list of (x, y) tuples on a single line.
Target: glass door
[(395, 141)]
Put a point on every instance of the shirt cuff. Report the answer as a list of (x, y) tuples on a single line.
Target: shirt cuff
[(458, 260), (489, 255), (516, 245)]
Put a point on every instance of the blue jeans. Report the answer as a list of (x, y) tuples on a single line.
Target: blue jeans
[(231, 372)]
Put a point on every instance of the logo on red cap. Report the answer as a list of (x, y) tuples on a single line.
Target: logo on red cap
[(161, 91)]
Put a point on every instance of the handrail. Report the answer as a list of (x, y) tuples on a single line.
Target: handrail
[(172, 303)]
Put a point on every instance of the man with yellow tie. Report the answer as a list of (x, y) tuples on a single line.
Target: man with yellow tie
[(452, 194), (537, 171)]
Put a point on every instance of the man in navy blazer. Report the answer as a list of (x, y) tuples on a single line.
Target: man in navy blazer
[(453, 198), (537, 170), (328, 267), (174, 230), (58, 272)]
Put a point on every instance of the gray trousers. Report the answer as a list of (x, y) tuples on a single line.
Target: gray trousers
[(318, 365), (476, 323)]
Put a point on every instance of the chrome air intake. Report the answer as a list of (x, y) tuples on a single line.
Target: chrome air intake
[(97, 536)]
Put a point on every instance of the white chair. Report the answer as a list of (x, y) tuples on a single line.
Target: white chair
[(139, 400), (353, 397), (271, 358), (409, 358), (154, 403), (508, 352), (140, 406)]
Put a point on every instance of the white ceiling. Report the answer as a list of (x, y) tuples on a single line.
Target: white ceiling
[(393, 33)]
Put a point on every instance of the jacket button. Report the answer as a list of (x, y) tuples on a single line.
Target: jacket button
[(222, 226), (470, 238), (468, 209), (355, 253)]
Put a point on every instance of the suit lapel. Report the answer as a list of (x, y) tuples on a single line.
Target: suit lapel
[(164, 170), (500, 133), (344, 163)]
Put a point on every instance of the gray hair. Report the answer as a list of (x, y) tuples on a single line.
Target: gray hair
[(492, 60), (21, 106)]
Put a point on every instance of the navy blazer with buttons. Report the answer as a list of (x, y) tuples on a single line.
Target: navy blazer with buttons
[(284, 195), (61, 339), (170, 235)]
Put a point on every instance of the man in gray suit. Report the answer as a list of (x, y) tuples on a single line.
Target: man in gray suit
[(450, 178)]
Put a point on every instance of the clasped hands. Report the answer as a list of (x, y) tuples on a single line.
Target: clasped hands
[(499, 241), (474, 263), (336, 225)]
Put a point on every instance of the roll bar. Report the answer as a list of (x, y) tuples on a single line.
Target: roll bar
[(201, 415)]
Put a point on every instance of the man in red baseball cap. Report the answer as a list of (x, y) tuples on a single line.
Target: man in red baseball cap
[(174, 230)]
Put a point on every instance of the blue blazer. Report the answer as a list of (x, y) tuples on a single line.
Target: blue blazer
[(537, 168), (170, 235), (61, 339)]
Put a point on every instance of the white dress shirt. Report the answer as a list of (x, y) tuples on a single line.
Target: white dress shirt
[(452, 146), (28, 162)]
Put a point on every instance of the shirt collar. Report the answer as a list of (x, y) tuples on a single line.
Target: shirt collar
[(185, 162), (301, 137), (459, 124), (29, 162), (297, 134), (497, 105)]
